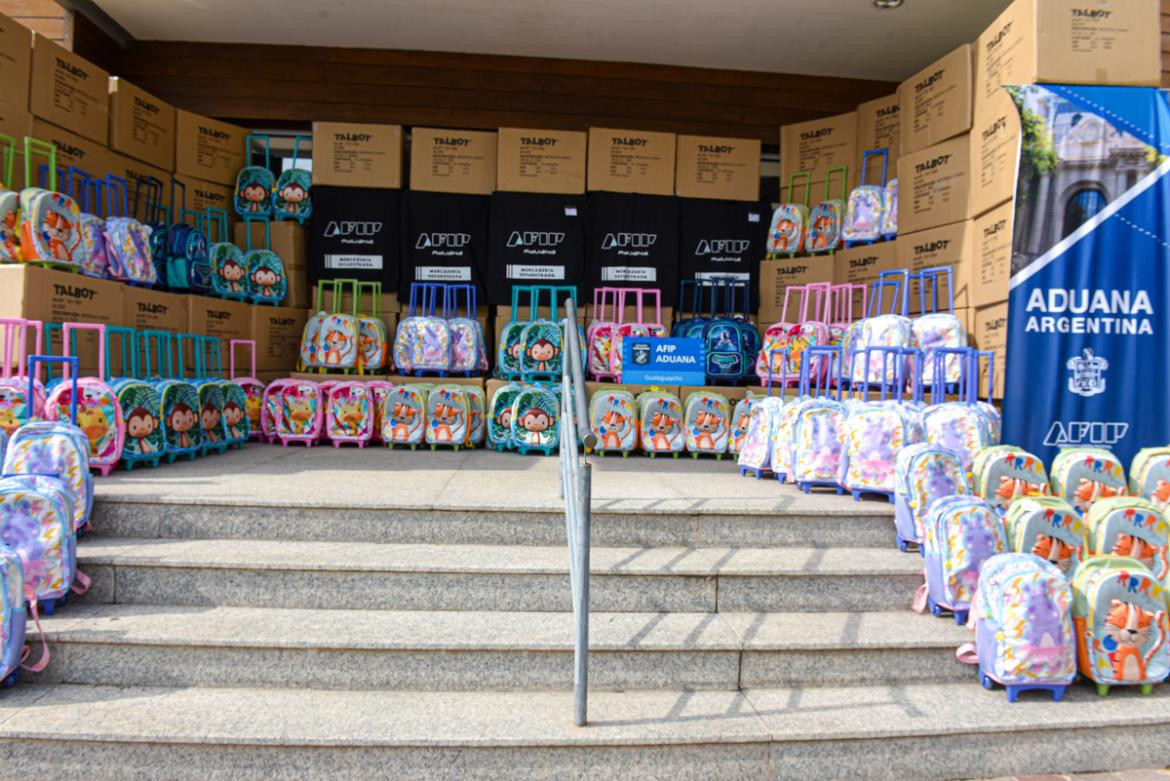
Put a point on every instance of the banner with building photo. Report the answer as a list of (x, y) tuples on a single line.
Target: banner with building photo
[(1088, 331)]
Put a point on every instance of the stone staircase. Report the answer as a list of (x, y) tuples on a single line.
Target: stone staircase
[(300, 642)]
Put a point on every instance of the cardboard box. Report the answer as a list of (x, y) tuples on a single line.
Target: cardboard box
[(862, 265), (218, 317), (631, 161), (991, 334), (290, 240), (948, 245), (208, 149), (69, 91), (541, 161), (15, 62), (992, 267), (934, 186), (357, 155), (722, 168), (937, 101), (995, 149), (818, 145), (146, 309), (1070, 42), (777, 275), (202, 196), (277, 331), (133, 171), (879, 126), (16, 123), (453, 161), (141, 125), (72, 150), (52, 296)]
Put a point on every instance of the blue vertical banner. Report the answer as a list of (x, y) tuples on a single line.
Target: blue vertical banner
[(1088, 347)]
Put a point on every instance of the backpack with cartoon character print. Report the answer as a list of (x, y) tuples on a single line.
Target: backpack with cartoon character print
[(236, 429), (251, 387), (1049, 528), (923, 472), (865, 207), (18, 336), (13, 616), (468, 353), (1130, 526), (1083, 475), (330, 340), (642, 325), (824, 222), (1119, 616), (48, 222), (255, 183), (535, 412), (266, 280), (1149, 476), (1023, 626), (938, 329), (741, 418), (349, 413), (961, 532), (9, 203), (404, 420), (379, 392), (373, 349), (786, 234), (229, 277), (660, 418), (599, 335), (706, 428), (499, 422), (99, 415), (755, 456), (35, 522), (613, 417), (448, 416), (301, 412), (890, 209), (1003, 473), (128, 241), (290, 194), (477, 411), (422, 342), (142, 411)]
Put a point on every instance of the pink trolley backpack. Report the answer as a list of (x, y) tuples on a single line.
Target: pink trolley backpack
[(786, 233), (252, 387), (845, 301), (270, 409), (825, 220), (379, 392), (640, 326), (349, 414), (18, 403), (599, 336), (774, 346), (99, 415), (300, 417), (866, 205)]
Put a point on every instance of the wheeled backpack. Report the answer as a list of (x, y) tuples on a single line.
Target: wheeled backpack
[(1133, 527), (613, 418), (477, 415), (815, 445), (13, 616), (468, 346), (1149, 476), (379, 392), (786, 233), (99, 415), (20, 401), (373, 342), (755, 455), (640, 327), (962, 426), (35, 522), (330, 340), (229, 269), (730, 340), (741, 419), (9, 203), (499, 423), (1003, 473), (349, 414), (890, 209), (448, 417), (252, 387), (924, 472), (660, 416), (404, 422), (938, 330), (142, 410), (535, 412), (825, 220), (1082, 475), (1048, 528), (705, 423), (128, 241), (48, 222), (1024, 636), (422, 343), (267, 282), (91, 257), (881, 329), (865, 206), (599, 335), (255, 183), (961, 533), (290, 195)]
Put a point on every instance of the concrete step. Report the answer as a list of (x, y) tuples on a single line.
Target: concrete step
[(254, 573), (853, 732), (124, 645), (792, 519)]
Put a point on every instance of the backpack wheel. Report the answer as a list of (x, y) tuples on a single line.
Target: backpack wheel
[(1102, 689), (1058, 693), (1147, 689), (986, 682), (49, 607)]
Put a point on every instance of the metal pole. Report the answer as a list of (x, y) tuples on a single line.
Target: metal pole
[(581, 652)]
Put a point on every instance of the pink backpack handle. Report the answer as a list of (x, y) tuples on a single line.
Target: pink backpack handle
[(818, 289), (802, 291), (251, 345), (655, 294), (620, 304), (14, 332), (68, 328)]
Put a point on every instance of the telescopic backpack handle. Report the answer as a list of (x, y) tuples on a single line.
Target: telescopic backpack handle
[(843, 171), (899, 280), (656, 295), (933, 277), (116, 197), (69, 370), (883, 155), (783, 353), (248, 220), (938, 388), (7, 161), (806, 177), (217, 219), (126, 339), (375, 291), (196, 351), (176, 185), (15, 335), (820, 386), (250, 344), (210, 351), (67, 331), (48, 151), (248, 139)]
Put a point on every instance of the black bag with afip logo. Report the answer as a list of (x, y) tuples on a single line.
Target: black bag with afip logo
[(632, 241), (354, 234), (722, 239), (535, 240), (444, 239)]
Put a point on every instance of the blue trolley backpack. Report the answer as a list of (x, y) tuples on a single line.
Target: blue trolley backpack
[(187, 265), (468, 353), (731, 342), (865, 207), (697, 301), (924, 472), (961, 533), (255, 183), (13, 617), (961, 426), (290, 194)]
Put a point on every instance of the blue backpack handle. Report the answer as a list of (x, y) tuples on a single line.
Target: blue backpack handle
[(896, 390), (70, 371), (177, 186), (783, 353), (196, 350), (126, 339), (884, 154), (212, 357), (267, 148), (931, 277), (938, 388), (218, 219), (116, 189), (990, 356), (823, 387)]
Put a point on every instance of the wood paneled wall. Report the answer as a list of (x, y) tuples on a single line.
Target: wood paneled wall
[(44, 16), (273, 85)]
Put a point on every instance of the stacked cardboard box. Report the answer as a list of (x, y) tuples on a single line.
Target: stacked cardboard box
[(15, 66), (541, 161), (631, 161)]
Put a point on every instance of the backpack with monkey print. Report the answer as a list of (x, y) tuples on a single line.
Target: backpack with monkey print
[(535, 412)]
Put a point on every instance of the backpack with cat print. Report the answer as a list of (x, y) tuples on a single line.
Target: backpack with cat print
[(961, 533), (1023, 626), (599, 334), (228, 268), (422, 343), (335, 335), (35, 523), (349, 414), (825, 220), (9, 203), (17, 337), (884, 326), (705, 424), (1119, 617), (640, 326), (923, 472), (255, 183), (1004, 473), (786, 233), (960, 426), (448, 417), (468, 353), (865, 208), (290, 195), (373, 343), (499, 423), (1083, 475), (660, 417), (1149, 476), (1130, 526), (535, 412), (13, 616), (815, 437), (301, 413), (55, 449), (938, 329), (404, 422), (99, 415), (741, 419), (1049, 528), (477, 416), (890, 209), (613, 418), (877, 429), (128, 241), (48, 222)]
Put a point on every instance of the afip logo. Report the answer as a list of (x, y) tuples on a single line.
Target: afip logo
[(441, 240), (352, 228), (640, 353), (1087, 374), (535, 239), (722, 246), (1096, 433), (629, 240)]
